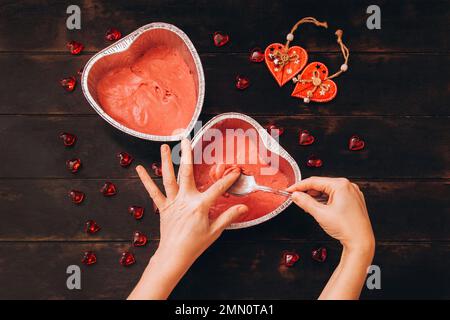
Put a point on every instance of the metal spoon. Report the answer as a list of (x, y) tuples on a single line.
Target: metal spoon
[(246, 184)]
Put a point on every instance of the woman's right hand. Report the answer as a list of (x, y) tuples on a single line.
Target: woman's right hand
[(344, 217)]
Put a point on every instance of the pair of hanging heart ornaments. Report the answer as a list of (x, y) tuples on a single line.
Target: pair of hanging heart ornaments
[(314, 83)]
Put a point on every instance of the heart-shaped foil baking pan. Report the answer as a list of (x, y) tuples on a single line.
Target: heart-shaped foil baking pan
[(269, 205), (126, 51)]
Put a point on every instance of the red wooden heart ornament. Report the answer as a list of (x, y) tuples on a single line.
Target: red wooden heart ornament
[(313, 85), (284, 65)]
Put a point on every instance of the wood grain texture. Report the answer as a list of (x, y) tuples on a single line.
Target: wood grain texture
[(376, 84), (225, 271), (39, 210), (395, 147), (416, 26)]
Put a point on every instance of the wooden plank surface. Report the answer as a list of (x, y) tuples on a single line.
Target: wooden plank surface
[(376, 84), (395, 147), (415, 26), (225, 271), (399, 211)]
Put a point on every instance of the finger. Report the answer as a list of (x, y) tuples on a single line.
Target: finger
[(152, 189), (322, 184), (228, 217), (308, 203), (221, 186), (168, 173), (186, 169)]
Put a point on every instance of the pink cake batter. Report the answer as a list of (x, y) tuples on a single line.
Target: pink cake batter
[(155, 95), (259, 203)]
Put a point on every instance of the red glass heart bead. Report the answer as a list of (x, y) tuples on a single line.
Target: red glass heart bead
[(157, 170), (89, 258), (290, 258), (305, 138), (242, 82), (355, 143), (69, 83), (256, 55), (314, 162), (220, 38), (91, 227), (127, 259), (274, 130), (73, 165), (76, 196), (113, 34), (108, 189), (68, 139), (139, 239), (136, 211), (319, 254), (125, 159), (75, 47)]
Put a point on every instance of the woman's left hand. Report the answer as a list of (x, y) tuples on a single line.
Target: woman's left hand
[(186, 229)]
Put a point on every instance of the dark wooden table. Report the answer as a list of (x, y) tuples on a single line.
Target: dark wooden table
[(395, 96)]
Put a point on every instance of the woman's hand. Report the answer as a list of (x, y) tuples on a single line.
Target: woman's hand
[(346, 219), (186, 230)]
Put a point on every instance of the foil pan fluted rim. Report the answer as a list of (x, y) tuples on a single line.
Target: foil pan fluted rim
[(122, 45), (270, 143)]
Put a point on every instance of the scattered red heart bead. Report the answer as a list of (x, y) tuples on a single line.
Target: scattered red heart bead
[(314, 162), (91, 227), (68, 139), (75, 47), (69, 83), (73, 165), (242, 82), (290, 258), (355, 143), (125, 159), (76, 196), (127, 259), (319, 254), (108, 189), (305, 138), (157, 170), (136, 211), (256, 55), (274, 130), (89, 258), (113, 34), (139, 239), (220, 38)]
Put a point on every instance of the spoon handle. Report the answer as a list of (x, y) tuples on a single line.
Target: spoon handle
[(271, 190)]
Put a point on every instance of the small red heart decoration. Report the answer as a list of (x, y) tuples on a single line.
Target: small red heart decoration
[(322, 90), (68, 139), (125, 159), (220, 39), (274, 130), (314, 161), (127, 259), (108, 189), (284, 73), (319, 254), (76, 196), (356, 143), (289, 258), (242, 82), (73, 165), (256, 55), (305, 138), (136, 211), (91, 227), (139, 239), (89, 258)]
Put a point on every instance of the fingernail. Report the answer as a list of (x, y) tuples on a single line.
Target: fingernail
[(242, 209), (164, 148)]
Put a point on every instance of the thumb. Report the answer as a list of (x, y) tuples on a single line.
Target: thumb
[(228, 217), (307, 203)]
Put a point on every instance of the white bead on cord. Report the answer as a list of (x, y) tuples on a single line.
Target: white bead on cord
[(290, 37), (344, 67), (306, 100)]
